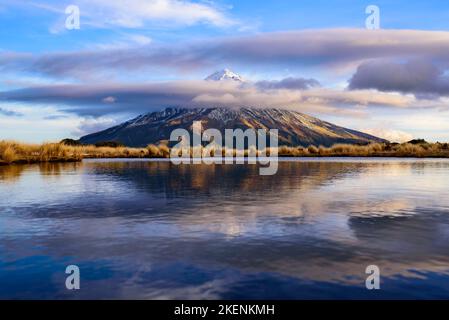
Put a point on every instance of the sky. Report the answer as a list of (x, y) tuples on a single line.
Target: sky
[(383, 72)]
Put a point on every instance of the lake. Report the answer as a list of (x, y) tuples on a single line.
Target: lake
[(149, 229)]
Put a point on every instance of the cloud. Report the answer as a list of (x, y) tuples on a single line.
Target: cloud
[(91, 125), (109, 99), (98, 100), (9, 113), (337, 48), (389, 134), (419, 77), (288, 83), (126, 41), (140, 13), (56, 117)]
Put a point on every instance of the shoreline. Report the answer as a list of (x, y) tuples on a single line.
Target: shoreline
[(55, 161)]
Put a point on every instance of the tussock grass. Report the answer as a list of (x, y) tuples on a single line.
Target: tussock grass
[(15, 152), (161, 151), (422, 150)]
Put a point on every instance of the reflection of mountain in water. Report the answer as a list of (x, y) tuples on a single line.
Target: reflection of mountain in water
[(219, 180), (162, 186), (312, 225)]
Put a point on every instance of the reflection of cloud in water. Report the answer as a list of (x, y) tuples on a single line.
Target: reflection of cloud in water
[(155, 223)]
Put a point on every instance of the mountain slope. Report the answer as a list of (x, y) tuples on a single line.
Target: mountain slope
[(295, 129)]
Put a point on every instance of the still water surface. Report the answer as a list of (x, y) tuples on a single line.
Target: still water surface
[(154, 230)]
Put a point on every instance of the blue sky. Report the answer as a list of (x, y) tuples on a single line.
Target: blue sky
[(26, 27), (393, 85)]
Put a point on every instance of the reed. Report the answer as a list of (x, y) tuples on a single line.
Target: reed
[(422, 150), (16, 152)]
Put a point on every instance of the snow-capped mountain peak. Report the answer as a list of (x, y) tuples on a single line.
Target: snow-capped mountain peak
[(224, 74)]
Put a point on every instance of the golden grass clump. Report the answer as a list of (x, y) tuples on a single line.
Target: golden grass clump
[(164, 151), (160, 151), (153, 150), (8, 154), (312, 150)]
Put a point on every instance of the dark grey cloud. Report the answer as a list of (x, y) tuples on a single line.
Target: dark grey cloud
[(331, 47), (288, 83), (10, 113), (419, 77), (97, 100)]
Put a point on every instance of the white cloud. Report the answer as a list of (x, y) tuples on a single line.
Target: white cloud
[(109, 99), (126, 41), (389, 134), (90, 125), (140, 13)]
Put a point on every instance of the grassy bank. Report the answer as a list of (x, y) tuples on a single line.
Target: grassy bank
[(414, 150), (15, 152)]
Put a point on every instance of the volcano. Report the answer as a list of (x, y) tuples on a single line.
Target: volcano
[(295, 128)]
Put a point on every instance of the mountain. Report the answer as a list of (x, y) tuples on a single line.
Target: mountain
[(294, 127), (224, 74)]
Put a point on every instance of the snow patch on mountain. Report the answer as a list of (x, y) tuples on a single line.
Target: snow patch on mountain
[(224, 74)]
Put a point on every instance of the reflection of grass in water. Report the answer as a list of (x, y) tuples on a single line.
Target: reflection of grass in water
[(46, 169), (14, 152), (10, 173)]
